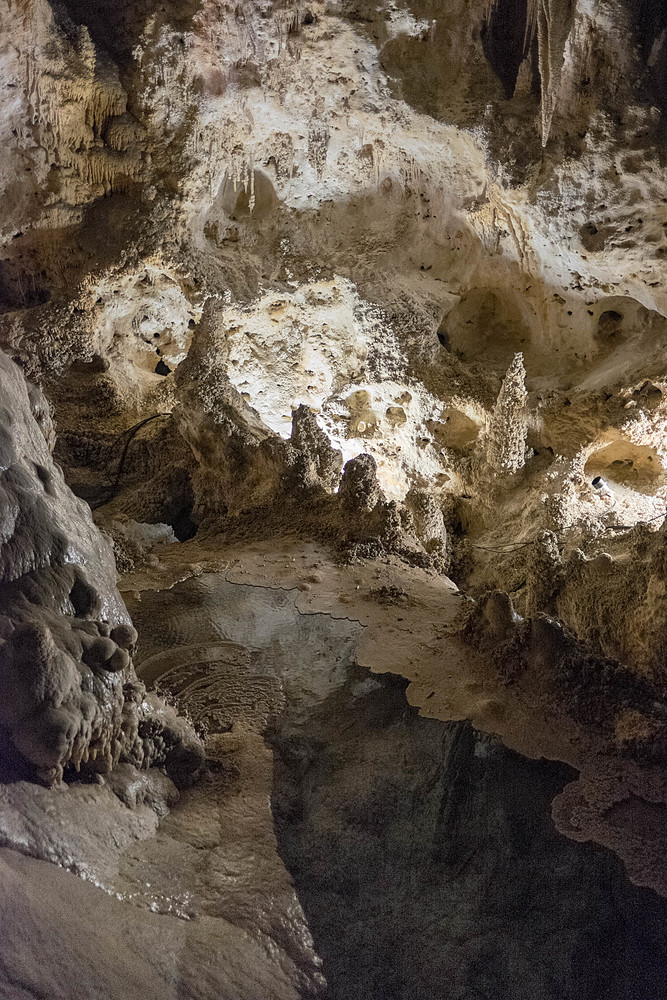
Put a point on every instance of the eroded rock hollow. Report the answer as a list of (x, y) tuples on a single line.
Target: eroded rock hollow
[(333, 496)]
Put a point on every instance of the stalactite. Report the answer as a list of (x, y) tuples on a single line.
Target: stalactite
[(551, 21)]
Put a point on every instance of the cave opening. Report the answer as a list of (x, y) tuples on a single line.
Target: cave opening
[(20, 288), (609, 326), (185, 527), (485, 326), (504, 37), (628, 468), (255, 198)]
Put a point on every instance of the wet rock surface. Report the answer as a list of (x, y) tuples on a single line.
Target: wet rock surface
[(423, 853), (112, 758), (426, 859), (332, 299)]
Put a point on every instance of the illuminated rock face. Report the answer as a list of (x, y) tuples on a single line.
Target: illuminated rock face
[(294, 293)]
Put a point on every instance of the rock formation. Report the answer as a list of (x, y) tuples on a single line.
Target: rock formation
[(333, 434), (71, 697)]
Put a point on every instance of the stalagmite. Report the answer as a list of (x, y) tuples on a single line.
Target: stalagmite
[(333, 485), (506, 447)]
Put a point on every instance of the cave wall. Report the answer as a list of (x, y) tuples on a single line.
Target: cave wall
[(365, 303)]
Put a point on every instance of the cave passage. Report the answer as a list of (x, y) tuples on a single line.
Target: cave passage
[(422, 852)]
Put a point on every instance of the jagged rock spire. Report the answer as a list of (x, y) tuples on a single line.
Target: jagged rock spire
[(506, 441)]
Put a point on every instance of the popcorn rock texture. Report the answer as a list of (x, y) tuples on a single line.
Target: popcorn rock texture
[(332, 338)]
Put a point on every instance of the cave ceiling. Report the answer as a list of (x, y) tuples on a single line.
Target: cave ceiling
[(333, 484)]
